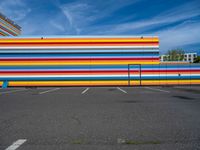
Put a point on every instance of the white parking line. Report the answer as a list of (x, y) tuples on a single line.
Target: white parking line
[(155, 89), (16, 144), (12, 91), (85, 90), (121, 90), (51, 90)]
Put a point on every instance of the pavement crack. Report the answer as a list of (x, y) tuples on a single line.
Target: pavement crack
[(76, 119)]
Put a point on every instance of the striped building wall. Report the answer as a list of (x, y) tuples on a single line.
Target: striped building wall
[(8, 27), (164, 74), (88, 61)]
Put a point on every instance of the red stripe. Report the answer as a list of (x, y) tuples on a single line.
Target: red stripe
[(177, 71), (82, 71), (97, 71), (80, 43), (70, 59)]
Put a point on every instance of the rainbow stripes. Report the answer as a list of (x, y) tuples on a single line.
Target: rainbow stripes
[(79, 51), (8, 27), (100, 75), (88, 61), (182, 74)]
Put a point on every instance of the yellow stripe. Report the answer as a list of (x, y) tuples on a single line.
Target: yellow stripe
[(99, 83), (169, 82), (4, 34), (66, 83), (78, 40)]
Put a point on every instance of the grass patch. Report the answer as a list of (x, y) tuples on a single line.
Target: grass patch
[(141, 142), (78, 142)]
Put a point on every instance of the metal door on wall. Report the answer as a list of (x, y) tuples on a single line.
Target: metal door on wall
[(134, 74)]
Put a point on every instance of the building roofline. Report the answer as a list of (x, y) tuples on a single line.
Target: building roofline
[(81, 36), (10, 21)]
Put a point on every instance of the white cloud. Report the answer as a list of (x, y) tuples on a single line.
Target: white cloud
[(81, 14), (83, 17), (78, 14), (14, 9), (57, 25), (174, 15), (179, 36), (183, 32), (46, 25)]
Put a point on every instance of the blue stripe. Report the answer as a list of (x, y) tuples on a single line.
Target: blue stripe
[(149, 67), (96, 78)]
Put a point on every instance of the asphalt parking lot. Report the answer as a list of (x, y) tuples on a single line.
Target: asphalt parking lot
[(101, 118)]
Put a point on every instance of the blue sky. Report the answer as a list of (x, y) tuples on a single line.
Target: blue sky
[(176, 22)]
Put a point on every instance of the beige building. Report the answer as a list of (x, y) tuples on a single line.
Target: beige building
[(188, 57)]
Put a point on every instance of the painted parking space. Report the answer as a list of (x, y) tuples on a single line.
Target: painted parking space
[(48, 91), (101, 116), (81, 90), (89, 90), (9, 91), (157, 89), (16, 144)]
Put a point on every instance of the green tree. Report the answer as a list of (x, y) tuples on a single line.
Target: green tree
[(176, 55), (197, 59)]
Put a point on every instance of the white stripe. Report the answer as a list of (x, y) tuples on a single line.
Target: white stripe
[(135, 75), (165, 75), (13, 91), (119, 75), (16, 144), (154, 89), (73, 47), (51, 90), (85, 91), (121, 90), (100, 50)]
